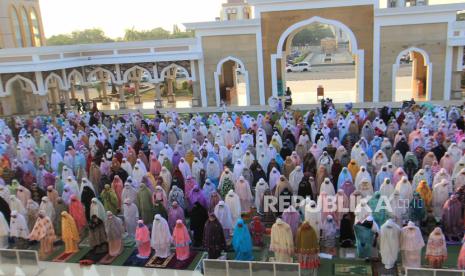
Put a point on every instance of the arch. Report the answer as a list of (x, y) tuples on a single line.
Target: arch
[(429, 71), (243, 71), (134, 68), (178, 67), (359, 53), (89, 76), (76, 74), (57, 78), (317, 19), (27, 31), (19, 77), (16, 28), (36, 30)]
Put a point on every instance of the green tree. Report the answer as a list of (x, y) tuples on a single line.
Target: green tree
[(79, 37), (312, 35)]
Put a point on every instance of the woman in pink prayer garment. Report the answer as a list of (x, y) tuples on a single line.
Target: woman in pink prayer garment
[(143, 240), (181, 240), (118, 186)]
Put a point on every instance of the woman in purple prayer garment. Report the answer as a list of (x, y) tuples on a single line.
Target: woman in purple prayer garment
[(175, 213), (197, 196), (175, 159), (292, 217)]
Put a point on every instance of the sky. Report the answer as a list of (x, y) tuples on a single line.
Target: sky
[(114, 16)]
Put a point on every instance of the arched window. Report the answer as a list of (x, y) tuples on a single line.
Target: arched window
[(35, 28), (27, 27), (16, 27)]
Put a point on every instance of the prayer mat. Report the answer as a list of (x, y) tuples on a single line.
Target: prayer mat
[(133, 260), (352, 269), (107, 260), (182, 265), (63, 257), (95, 257), (157, 262), (379, 269)]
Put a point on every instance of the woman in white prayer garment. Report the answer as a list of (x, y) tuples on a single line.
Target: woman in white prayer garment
[(389, 243)]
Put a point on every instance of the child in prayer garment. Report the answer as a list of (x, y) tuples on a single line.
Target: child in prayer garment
[(181, 240), (142, 240), (436, 250), (115, 231), (242, 242), (43, 231), (97, 235), (213, 237), (161, 237), (69, 233), (257, 230)]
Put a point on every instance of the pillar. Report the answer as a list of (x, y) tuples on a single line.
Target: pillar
[(137, 92), (196, 94), (66, 98), (105, 99), (158, 100), (43, 104), (55, 99), (418, 74), (122, 97), (73, 91)]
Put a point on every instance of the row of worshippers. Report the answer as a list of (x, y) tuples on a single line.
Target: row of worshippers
[(290, 165)]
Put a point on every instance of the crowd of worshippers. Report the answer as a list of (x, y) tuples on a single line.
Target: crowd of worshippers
[(175, 183)]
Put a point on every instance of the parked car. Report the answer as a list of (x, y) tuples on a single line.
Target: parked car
[(299, 67)]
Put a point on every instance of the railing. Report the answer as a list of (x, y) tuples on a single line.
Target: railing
[(25, 260), (433, 272), (243, 268)]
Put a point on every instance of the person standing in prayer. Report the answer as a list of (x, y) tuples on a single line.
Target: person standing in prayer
[(143, 240), (223, 214), (4, 231), (307, 247), (436, 250), (213, 237), (389, 243), (69, 233), (115, 231), (43, 231), (257, 230), (131, 217), (365, 237), (411, 243), (76, 210), (282, 243), (242, 242), (144, 204), (161, 237), (175, 213), (328, 236), (198, 216), (181, 240), (19, 230), (110, 200), (461, 258), (97, 235)]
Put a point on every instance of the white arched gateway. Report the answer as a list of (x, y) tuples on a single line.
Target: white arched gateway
[(429, 72), (240, 68), (358, 53)]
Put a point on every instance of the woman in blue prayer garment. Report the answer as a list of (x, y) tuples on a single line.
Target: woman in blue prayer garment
[(242, 242)]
